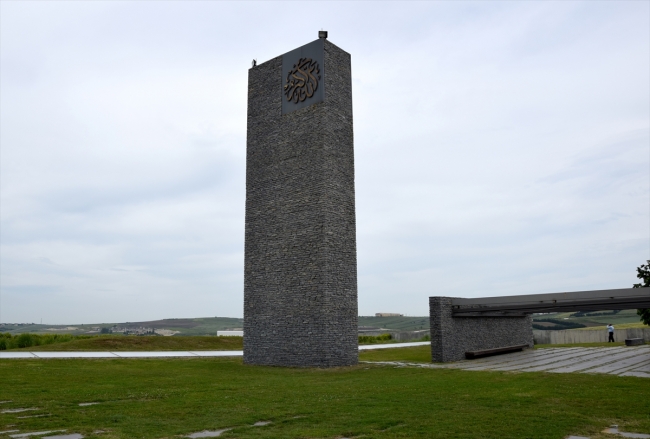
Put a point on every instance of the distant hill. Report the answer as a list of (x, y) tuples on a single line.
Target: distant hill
[(402, 323), (198, 326), (210, 325), (588, 319)]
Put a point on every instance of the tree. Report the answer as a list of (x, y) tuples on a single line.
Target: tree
[(643, 273)]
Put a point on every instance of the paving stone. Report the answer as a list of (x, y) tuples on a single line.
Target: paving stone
[(393, 345), (65, 436), (619, 366), (151, 354), (5, 354), (498, 360), (642, 368), (590, 363), (73, 354), (218, 353), (34, 433), (537, 361), (208, 433), (595, 358), (615, 430), (19, 410)]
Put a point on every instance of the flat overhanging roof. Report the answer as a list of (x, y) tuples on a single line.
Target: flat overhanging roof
[(624, 298)]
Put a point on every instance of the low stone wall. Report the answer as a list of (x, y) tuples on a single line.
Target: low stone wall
[(451, 336), (570, 336)]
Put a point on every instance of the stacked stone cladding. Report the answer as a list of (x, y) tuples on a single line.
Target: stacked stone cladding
[(300, 275), (452, 336)]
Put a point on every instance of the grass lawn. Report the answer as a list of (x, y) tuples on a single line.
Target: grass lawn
[(151, 343), (151, 398), (135, 343), (415, 354)]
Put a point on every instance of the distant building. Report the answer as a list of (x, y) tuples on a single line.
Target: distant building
[(388, 314)]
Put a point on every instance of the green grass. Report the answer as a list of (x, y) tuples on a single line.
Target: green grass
[(169, 398), (137, 343), (415, 354), (153, 343)]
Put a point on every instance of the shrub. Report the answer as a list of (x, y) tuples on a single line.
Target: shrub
[(27, 340), (372, 339)]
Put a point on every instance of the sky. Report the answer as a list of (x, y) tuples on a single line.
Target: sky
[(501, 148)]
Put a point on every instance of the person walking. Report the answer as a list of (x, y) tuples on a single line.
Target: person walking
[(610, 329)]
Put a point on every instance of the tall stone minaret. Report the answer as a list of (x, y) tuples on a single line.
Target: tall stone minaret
[(300, 275)]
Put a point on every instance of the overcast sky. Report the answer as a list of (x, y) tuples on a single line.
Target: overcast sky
[(500, 148)]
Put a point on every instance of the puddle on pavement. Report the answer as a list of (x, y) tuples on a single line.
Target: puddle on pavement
[(261, 423), (208, 433), (85, 404), (18, 410)]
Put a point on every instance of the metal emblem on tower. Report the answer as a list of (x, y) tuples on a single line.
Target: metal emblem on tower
[(302, 80)]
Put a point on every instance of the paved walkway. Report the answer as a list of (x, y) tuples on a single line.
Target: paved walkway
[(623, 361), (620, 360), (167, 354)]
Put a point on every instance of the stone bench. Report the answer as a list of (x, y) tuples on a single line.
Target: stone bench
[(633, 341), (495, 351)]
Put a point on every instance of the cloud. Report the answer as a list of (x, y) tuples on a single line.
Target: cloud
[(500, 148)]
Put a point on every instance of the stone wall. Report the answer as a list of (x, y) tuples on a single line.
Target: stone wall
[(451, 336), (570, 336), (300, 274)]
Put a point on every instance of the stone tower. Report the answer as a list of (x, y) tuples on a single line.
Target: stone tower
[(300, 275)]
